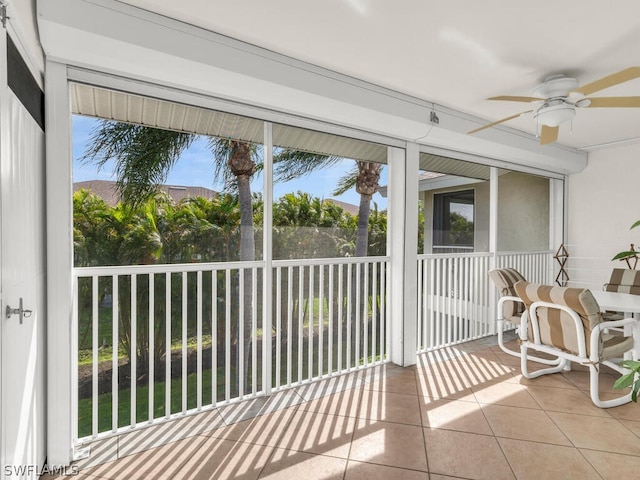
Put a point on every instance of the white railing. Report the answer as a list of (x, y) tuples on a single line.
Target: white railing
[(192, 336), (455, 295)]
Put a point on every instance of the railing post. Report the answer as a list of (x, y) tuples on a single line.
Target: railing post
[(493, 242), (267, 274)]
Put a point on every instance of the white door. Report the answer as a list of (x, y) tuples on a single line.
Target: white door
[(22, 261)]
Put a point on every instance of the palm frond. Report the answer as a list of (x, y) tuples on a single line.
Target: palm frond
[(290, 164), (347, 182), (143, 156)]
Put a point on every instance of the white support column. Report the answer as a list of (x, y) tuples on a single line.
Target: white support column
[(493, 236), (267, 242), (60, 333), (403, 248)]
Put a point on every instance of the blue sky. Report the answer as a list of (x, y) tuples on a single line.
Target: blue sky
[(195, 168)]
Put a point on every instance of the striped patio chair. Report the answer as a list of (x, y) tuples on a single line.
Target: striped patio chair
[(510, 308), (623, 280), (567, 322)]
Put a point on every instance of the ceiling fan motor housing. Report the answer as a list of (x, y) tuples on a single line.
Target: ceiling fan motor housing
[(554, 113)]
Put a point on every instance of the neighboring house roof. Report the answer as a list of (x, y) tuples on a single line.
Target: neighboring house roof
[(106, 189), (347, 207)]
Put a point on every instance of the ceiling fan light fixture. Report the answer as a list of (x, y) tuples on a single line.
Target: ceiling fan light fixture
[(554, 115)]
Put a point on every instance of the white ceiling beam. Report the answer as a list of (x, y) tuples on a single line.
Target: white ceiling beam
[(109, 36)]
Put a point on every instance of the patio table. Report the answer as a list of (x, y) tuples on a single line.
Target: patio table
[(618, 302), (621, 302)]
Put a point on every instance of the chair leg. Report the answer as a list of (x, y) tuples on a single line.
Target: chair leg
[(561, 364), (594, 383)]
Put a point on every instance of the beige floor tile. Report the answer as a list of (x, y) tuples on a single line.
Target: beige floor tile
[(632, 425), (435, 476), (102, 451), (289, 464), (523, 424), (565, 400), (536, 461), (428, 388), (263, 430), (157, 463), (392, 444), (466, 455), (330, 386), (155, 436), (612, 466), (555, 381), (345, 403), (442, 387), (582, 381), (454, 415), (504, 393), (219, 459), (404, 383), (385, 370), (370, 471), (597, 433), (390, 407), (628, 411), (318, 433)]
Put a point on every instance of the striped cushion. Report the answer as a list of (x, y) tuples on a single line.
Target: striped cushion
[(614, 287), (624, 276), (505, 279), (556, 326)]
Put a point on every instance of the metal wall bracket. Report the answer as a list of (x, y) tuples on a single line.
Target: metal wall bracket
[(3, 14), (18, 311)]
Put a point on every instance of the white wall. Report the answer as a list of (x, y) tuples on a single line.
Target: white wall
[(604, 201)]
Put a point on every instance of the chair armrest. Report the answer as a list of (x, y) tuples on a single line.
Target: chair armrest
[(616, 324), (506, 298)]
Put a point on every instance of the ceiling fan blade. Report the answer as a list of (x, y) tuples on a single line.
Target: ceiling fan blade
[(609, 81), (510, 98), (614, 102), (499, 121), (548, 134)]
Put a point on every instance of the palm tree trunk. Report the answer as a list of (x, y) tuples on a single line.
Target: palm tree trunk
[(247, 253), (362, 237), (247, 240)]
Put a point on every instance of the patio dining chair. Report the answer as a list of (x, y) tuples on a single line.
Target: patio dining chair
[(510, 308), (622, 280), (567, 322)]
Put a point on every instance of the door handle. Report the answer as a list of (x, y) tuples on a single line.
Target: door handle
[(18, 311)]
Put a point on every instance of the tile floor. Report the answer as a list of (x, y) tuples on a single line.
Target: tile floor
[(462, 412)]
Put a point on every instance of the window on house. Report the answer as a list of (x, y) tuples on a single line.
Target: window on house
[(453, 215)]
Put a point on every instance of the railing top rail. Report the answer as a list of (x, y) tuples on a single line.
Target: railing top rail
[(425, 256), (328, 261), (163, 268), (198, 267), (537, 252)]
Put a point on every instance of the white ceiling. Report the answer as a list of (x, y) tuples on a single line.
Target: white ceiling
[(453, 53)]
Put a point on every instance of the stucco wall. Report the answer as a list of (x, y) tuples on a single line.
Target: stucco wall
[(523, 212), (604, 201), (520, 196)]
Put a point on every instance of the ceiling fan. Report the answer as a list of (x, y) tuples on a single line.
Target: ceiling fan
[(559, 96)]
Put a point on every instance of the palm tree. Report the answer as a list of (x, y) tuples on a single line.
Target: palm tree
[(365, 177)]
